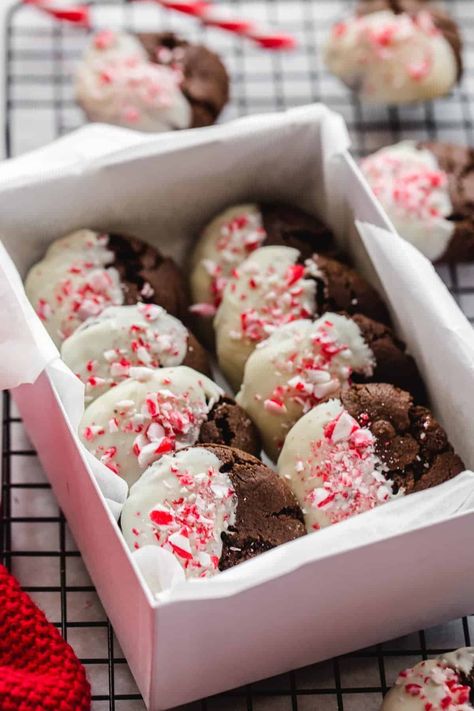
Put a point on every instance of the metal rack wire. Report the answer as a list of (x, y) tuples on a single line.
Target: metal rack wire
[(35, 542)]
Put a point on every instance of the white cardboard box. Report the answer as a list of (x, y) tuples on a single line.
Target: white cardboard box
[(403, 566)]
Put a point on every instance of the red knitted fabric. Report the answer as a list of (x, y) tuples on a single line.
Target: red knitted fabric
[(38, 669)]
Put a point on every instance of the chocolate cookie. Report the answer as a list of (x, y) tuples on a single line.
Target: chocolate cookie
[(341, 288), (446, 682), (146, 275), (396, 51), (85, 272), (426, 191), (275, 286), (155, 412), (103, 350), (230, 425), (412, 445), (457, 162), (392, 364), (362, 449), (304, 362), (234, 234), (212, 507), (205, 81)]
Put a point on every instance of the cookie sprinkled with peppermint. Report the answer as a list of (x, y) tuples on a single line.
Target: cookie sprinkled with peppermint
[(212, 507), (426, 191), (445, 683), (103, 349), (85, 272), (305, 362), (151, 82), (396, 51), (237, 232), (275, 286), (116, 83), (156, 412), (361, 449)]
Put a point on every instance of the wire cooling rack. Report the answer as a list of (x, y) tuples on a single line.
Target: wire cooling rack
[(35, 541)]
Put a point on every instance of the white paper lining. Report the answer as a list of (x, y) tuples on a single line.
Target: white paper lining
[(164, 189)]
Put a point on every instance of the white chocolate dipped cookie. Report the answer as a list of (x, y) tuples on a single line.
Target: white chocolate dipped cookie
[(396, 56), (117, 83), (300, 364), (85, 272), (104, 348), (444, 683), (212, 507)]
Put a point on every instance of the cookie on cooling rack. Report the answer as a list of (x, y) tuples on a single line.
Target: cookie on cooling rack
[(104, 348), (396, 51), (360, 450), (305, 362), (212, 507), (85, 272), (150, 82), (426, 190), (277, 285), (446, 682), (155, 412)]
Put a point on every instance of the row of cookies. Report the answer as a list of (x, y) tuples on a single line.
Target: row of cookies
[(320, 387)]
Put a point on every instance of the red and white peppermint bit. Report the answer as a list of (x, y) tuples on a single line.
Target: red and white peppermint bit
[(311, 371), (433, 684), (237, 239), (277, 298), (408, 185), (348, 475), (135, 336), (202, 10), (182, 503), (162, 423), (86, 289), (186, 525)]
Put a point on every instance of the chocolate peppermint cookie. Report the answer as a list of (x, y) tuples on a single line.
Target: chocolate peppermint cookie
[(360, 450), (150, 82), (85, 272), (396, 51), (212, 507), (103, 348), (427, 191), (237, 232), (305, 362), (446, 682), (277, 285), (156, 412)]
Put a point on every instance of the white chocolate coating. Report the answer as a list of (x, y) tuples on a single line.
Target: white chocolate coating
[(268, 290), (73, 282), (182, 503), (297, 366), (116, 83), (392, 58), (103, 349), (414, 192), (433, 684), (224, 243), (330, 463), (152, 413)]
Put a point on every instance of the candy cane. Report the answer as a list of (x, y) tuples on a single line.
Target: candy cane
[(203, 10)]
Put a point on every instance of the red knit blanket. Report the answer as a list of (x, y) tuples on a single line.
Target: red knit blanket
[(38, 669)]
